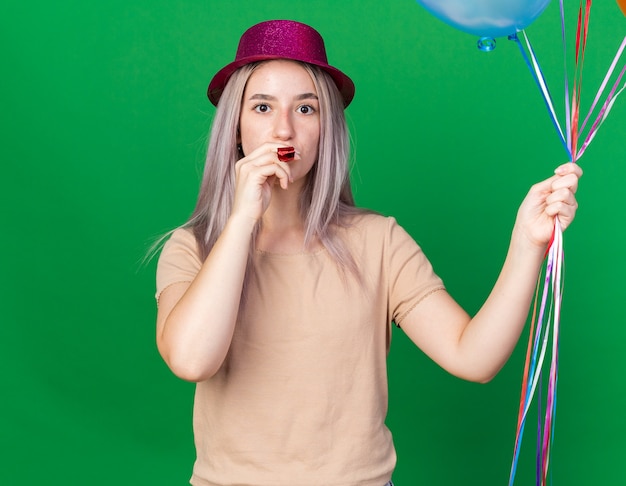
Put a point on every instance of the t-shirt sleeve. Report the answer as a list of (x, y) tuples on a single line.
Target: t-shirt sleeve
[(179, 260), (411, 275)]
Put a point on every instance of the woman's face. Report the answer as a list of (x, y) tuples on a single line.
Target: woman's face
[(280, 105)]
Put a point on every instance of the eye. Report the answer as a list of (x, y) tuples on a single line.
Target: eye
[(261, 108), (306, 109)]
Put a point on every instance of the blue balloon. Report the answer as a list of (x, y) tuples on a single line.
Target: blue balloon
[(487, 18)]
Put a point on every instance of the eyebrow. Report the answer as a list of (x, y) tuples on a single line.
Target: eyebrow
[(300, 97)]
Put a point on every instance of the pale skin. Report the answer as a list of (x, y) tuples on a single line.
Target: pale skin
[(196, 321)]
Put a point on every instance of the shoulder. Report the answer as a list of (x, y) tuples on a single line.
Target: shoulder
[(370, 235), (179, 260), (373, 226), (181, 238), (180, 246), (367, 221)]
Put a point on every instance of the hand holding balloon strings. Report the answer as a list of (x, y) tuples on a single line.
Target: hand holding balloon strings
[(489, 19), (547, 325)]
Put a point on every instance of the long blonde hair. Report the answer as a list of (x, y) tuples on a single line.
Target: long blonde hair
[(326, 201)]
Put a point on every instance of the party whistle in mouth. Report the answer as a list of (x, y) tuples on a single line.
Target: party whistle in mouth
[(286, 154)]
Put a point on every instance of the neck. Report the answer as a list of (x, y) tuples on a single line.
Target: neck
[(283, 212), (282, 227)]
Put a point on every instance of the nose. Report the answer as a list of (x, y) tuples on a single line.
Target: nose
[(283, 125)]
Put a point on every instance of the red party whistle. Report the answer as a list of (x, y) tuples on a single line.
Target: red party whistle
[(286, 154)]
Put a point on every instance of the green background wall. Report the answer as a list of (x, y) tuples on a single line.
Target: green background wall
[(103, 126)]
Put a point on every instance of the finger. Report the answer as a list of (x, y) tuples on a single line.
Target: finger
[(285, 167), (562, 202), (279, 151), (269, 172), (260, 160), (564, 212), (560, 207), (280, 172), (268, 155), (566, 176), (564, 195), (256, 160), (569, 168), (569, 182)]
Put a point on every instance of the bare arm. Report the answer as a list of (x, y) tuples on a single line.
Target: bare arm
[(477, 348), (196, 321)]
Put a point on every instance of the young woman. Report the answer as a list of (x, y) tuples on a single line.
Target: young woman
[(278, 295)]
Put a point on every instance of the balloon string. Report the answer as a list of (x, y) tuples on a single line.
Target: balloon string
[(568, 119), (550, 413), (604, 112), (536, 352), (581, 44), (539, 457), (605, 81), (535, 358), (521, 415), (546, 315), (539, 78), (609, 102), (545, 324)]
